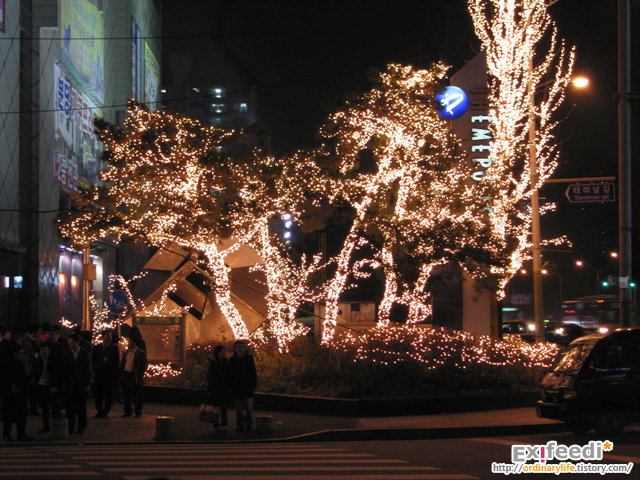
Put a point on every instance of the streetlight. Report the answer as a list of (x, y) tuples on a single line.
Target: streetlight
[(580, 263)]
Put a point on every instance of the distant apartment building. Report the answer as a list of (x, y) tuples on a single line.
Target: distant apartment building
[(216, 96), (62, 63)]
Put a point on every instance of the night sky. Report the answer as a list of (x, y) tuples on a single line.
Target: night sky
[(303, 56)]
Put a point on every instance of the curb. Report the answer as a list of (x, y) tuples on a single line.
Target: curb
[(426, 433), (347, 435), (355, 408)]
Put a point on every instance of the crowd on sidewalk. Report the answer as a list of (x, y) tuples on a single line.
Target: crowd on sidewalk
[(45, 374), (48, 375)]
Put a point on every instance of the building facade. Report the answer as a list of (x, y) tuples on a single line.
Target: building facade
[(65, 62)]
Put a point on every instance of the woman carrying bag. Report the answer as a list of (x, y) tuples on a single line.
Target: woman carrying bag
[(218, 387)]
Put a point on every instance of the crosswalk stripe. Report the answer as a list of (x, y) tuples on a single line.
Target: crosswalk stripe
[(296, 468), (77, 473), (22, 467), (242, 461), (224, 457), (331, 476), (204, 461)]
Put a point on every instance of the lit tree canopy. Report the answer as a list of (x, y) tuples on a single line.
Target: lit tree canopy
[(529, 70), (402, 172), (171, 180)]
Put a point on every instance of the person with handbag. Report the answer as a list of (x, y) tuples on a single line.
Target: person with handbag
[(218, 392), (242, 380)]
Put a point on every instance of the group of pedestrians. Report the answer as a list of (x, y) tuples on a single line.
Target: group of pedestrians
[(232, 380), (43, 374)]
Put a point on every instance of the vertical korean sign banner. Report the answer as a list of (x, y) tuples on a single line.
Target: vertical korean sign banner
[(151, 77), (83, 46), (136, 61), (76, 152), (1, 15)]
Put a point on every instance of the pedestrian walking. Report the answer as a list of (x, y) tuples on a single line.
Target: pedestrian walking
[(30, 343), (133, 365), (218, 392), (44, 381), (76, 365), (13, 392), (117, 390), (56, 372), (105, 360), (242, 380)]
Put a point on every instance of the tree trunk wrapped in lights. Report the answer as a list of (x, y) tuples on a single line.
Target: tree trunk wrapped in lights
[(529, 69)]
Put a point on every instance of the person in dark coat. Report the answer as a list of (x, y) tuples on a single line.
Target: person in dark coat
[(105, 359), (133, 365), (7, 345), (242, 380), (218, 390), (43, 379), (85, 338), (57, 349), (76, 368), (14, 385), (136, 333), (30, 343)]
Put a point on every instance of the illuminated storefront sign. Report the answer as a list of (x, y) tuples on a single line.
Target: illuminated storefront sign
[(451, 103), (76, 152), (151, 77), (83, 46)]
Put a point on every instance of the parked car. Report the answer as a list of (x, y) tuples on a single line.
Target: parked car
[(519, 328), (595, 383)]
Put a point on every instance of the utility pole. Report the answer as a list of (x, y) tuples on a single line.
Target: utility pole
[(536, 250), (624, 160)]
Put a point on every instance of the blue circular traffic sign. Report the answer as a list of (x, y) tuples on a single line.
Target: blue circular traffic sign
[(451, 103), (117, 301)]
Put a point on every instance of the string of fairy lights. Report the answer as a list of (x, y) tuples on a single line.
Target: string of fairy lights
[(173, 181)]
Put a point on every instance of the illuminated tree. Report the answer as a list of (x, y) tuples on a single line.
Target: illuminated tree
[(402, 172), (529, 69), (171, 181)]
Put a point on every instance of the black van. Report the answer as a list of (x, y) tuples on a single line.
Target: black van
[(595, 383)]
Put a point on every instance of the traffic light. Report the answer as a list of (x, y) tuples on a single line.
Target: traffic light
[(605, 283)]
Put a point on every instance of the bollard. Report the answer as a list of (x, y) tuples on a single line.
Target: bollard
[(60, 428), (263, 423), (163, 427)]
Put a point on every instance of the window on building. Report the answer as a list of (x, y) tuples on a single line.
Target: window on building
[(218, 107), (243, 107), (218, 92)]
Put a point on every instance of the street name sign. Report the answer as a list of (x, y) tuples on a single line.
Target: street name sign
[(591, 192)]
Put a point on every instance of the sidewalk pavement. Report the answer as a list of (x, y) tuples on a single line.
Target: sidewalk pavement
[(290, 427)]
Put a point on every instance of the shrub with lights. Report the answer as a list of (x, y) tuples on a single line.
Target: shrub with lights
[(395, 361)]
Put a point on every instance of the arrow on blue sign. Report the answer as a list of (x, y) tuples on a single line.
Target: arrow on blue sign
[(591, 192)]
